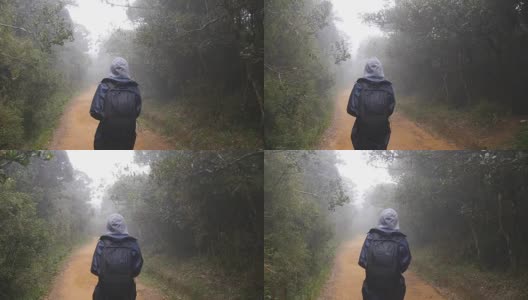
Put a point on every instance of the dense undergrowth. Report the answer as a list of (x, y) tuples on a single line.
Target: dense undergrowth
[(302, 47), (300, 226), (522, 138), (198, 216), (484, 126), (207, 81), (42, 62), (195, 278), (206, 129), (459, 279), (40, 220)]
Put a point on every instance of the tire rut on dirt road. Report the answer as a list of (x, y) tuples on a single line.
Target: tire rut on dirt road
[(406, 135), (76, 282), (347, 278), (76, 128)]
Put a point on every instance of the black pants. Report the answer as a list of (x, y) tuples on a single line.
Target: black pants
[(122, 143), (363, 141), (397, 293), (128, 293)]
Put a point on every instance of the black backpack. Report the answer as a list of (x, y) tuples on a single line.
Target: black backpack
[(120, 112), (116, 268), (374, 105), (383, 267)]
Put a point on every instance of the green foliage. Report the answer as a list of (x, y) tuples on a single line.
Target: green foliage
[(487, 114), (484, 126), (521, 142), (172, 120), (301, 45), (456, 52), (198, 204), (193, 278), (461, 278), (474, 200), (204, 58), (43, 212), (41, 62), (301, 190)]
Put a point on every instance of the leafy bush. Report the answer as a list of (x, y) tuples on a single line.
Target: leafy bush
[(43, 213), (42, 60), (521, 141)]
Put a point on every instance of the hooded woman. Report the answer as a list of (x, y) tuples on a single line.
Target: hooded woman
[(116, 261), (117, 105), (372, 103), (385, 256)]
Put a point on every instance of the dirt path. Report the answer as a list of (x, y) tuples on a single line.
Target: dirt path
[(76, 281), (76, 129), (406, 135), (347, 278)]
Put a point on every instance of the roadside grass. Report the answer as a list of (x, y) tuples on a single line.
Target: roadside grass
[(195, 278), (43, 124), (297, 116), (187, 125), (42, 274), (49, 119), (521, 140), (308, 138), (314, 287), (484, 126), (456, 279)]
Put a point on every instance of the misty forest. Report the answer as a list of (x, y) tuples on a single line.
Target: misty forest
[(198, 63), (458, 70), (463, 217), (197, 217)]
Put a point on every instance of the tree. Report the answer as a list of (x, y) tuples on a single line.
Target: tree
[(302, 46), (302, 189)]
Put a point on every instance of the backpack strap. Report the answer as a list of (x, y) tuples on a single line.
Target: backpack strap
[(110, 84), (106, 242)]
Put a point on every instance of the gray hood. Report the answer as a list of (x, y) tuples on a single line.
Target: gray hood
[(119, 69), (374, 70), (388, 220), (116, 225)]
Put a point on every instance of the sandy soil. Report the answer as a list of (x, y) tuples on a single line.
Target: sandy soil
[(76, 281), (406, 135), (76, 129), (347, 278)]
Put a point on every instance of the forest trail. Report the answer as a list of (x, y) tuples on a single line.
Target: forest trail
[(406, 135), (76, 128), (347, 277), (76, 282)]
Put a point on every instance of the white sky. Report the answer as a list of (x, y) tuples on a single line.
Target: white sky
[(350, 22), (103, 167), (100, 19), (362, 174)]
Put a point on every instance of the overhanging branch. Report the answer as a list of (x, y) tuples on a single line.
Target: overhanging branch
[(15, 27)]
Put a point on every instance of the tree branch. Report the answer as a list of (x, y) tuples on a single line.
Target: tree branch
[(204, 26), (307, 193), (127, 5), (219, 168), (15, 27)]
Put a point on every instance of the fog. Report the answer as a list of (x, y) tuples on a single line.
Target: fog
[(456, 208), (197, 213), (190, 58), (364, 176), (457, 69), (350, 22), (104, 168), (436, 56), (100, 19)]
